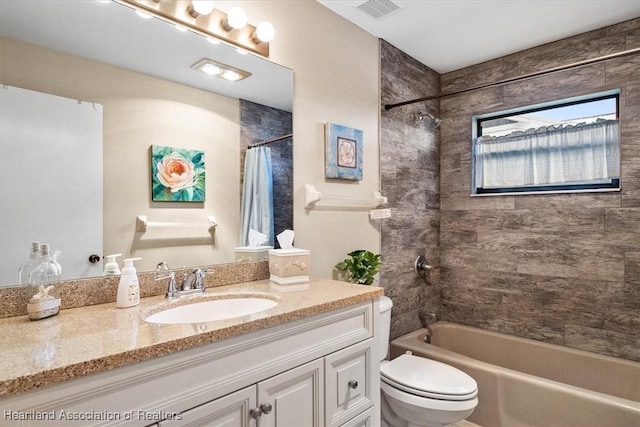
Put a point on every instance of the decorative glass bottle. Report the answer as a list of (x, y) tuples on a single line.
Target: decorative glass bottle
[(45, 301), (32, 262)]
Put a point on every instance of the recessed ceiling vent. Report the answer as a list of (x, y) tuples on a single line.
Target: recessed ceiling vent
[(378, 8)]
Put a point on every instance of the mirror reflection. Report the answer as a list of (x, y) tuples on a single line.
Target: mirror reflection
[(137, 74)]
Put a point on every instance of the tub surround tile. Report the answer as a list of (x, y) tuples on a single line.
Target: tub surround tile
[(599, 341), (410, 178), (557, 268), (118, 337)]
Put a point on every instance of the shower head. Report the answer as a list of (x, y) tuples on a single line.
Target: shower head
[(435, 122)]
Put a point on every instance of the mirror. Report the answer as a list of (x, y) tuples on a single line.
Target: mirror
[(139, 72)]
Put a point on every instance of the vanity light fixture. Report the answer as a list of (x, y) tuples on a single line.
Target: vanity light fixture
[(215, 68), (202, 18)]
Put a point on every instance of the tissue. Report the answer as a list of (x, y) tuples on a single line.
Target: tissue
[(285, 239), (288, 265), (253, 252), (256, 238)]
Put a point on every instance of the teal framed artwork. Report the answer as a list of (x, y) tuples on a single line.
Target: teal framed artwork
[(343, 156), (177, 174)]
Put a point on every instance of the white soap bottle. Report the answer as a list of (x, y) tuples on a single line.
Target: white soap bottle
[(111, 267), (128, 288)]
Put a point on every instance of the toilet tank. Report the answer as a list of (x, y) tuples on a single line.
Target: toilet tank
[(385, 325)]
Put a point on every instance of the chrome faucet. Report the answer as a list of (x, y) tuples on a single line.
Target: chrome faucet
[(192, 283)]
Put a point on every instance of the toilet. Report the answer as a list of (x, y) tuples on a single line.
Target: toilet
[(420, 392)]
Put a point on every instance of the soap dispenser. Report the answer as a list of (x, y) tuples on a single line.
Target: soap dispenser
[(111, 267), (128, 288)]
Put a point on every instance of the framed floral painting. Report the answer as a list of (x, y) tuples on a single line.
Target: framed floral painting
[(343, 157), (177, 174)]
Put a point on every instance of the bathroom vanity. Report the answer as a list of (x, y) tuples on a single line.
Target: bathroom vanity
[(310, 361)]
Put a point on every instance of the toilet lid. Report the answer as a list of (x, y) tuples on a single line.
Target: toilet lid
[(428, 378)]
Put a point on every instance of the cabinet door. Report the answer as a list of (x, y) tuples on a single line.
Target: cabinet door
[(348, 383), (296, 397), (231, 410)]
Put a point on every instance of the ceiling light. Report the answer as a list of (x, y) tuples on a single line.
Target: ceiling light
[(202, 7), (214, 68), (236, 19), (211, 69), (231, 75)]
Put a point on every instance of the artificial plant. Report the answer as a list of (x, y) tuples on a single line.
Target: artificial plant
[(362, 266)]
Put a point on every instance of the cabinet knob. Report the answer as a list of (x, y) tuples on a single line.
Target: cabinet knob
[(256, 413), (353, 384), (94, 259), (265, 408)]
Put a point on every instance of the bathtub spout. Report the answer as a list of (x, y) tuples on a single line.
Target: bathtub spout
[(427, 318), (427, 337)]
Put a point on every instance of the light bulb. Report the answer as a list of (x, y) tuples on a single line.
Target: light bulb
[(202, 7), (265, 32), (236, 18), (211, 69), (231, 75)]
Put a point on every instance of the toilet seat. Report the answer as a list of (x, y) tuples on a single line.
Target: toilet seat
[(428, 378)]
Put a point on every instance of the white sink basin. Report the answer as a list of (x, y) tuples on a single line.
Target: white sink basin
[(208, 311)]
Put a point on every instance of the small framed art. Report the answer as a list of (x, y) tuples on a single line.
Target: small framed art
[(343, 155), (177, 174)]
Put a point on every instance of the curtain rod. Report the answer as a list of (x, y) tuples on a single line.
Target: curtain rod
[(519, 78), (269, 141)]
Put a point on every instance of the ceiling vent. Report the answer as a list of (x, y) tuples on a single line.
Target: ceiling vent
[(378, 8)]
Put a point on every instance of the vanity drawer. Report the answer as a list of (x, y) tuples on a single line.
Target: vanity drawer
[(365, 419), (348, 383)]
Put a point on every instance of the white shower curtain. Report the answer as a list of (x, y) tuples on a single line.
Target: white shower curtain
[(547, 156), (257, 195)]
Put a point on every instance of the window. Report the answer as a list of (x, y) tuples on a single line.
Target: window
[(566, 146)]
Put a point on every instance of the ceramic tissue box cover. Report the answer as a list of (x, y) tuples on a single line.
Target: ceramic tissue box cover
[(289, 266), (249, 253)]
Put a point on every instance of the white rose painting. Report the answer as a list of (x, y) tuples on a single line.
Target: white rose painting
[(177, 174)]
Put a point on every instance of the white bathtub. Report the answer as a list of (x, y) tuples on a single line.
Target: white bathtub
[(523, 382)]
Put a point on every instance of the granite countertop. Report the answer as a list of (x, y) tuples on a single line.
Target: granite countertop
[(87, 340)]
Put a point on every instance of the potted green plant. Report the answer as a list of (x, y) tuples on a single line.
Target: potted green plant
[(362, 266)]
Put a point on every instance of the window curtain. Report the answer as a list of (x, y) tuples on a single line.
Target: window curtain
[(256, 210), (554, 155)]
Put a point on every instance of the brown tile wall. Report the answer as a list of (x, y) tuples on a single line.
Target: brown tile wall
[(410, 169), (563, 269)]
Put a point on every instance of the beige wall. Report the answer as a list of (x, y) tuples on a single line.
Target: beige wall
[(336, 79), (139, 111)]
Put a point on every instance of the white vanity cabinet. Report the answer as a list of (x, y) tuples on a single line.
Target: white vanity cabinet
[(293, 398), (339, 383), (313, 372)]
